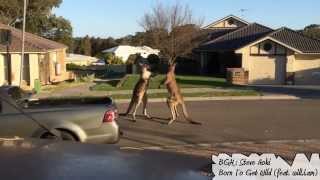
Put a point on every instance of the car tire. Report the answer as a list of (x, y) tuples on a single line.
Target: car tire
[(66, 136)]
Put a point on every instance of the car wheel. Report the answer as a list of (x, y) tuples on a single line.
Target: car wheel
[(66, 136)]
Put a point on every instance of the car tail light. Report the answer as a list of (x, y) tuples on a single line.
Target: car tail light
[(109, 116)]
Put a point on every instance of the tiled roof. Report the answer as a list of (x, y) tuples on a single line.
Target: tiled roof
[(237, 39), (215, 33), (296, 40), (33, 43)]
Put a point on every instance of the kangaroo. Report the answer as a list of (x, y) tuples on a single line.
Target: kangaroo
[(140, 93), (175, 97)]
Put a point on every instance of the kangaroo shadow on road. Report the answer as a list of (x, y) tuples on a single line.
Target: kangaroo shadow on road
[(160, 120), (155, 137), (140, 117)]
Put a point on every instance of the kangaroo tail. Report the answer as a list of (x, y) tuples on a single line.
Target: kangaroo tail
[(185, 112), (186, 115)]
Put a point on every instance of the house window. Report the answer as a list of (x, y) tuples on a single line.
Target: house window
[(26, 69), (6, 67), (267, 46), (231, 22), (5, 37)]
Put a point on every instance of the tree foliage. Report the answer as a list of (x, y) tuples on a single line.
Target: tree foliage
[(86, 46), (133, 59), (11, 11), (93, 45), (112, 59), (312, 31), (59, 30), (172, 29), (39, 19)]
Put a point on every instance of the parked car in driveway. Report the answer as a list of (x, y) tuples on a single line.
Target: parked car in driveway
[(92, 124), (99, 63)]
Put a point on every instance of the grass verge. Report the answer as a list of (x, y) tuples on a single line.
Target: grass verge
[(101, 100), (60, 86)]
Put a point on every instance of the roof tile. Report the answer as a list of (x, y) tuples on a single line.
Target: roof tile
[(33, 43), (296, 40), (237, 38)]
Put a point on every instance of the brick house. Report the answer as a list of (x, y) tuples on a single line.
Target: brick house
[(268, 56), (44, 59)]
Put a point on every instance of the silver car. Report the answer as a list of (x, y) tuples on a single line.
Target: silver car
[(92, 124)]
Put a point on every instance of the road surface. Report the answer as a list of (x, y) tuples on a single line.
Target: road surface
[(225, 121)]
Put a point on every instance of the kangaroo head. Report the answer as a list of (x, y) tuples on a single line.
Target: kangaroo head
[(145, 73)]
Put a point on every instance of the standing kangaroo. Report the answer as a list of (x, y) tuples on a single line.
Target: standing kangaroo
[(175, 97), (140, 93)]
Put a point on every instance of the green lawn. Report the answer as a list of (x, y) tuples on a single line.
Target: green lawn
[(95, 100), (60, 86), (156, 83)]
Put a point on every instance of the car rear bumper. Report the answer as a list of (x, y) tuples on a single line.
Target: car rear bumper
[(108, 133)]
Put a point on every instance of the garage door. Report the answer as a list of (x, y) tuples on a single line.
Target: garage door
[(267, 70)]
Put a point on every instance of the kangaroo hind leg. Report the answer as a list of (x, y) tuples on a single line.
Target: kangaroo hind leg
[(173, 112), (145, 103), (136, 106)]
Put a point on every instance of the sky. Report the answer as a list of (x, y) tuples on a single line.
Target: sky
[(117, 18)]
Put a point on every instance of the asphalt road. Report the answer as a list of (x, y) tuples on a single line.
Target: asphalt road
[(225, 121)]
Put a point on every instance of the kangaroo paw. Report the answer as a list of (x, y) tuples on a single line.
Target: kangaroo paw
[(147, 116), (133, 118), (195, 123), (170, 122)]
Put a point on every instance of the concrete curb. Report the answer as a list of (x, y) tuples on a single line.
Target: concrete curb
[(208, 145), (226, 98)]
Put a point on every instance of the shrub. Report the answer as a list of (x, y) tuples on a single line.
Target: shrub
[(153, 59), (133, 59), (111, 59), (115, 60), (75, 67), (154, 62)]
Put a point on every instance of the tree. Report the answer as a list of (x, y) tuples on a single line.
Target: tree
[(172, 29), (99, 44), (85, 46), (133, 59), (11, 11), (39, 19), (312, 31), (59, 30)]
